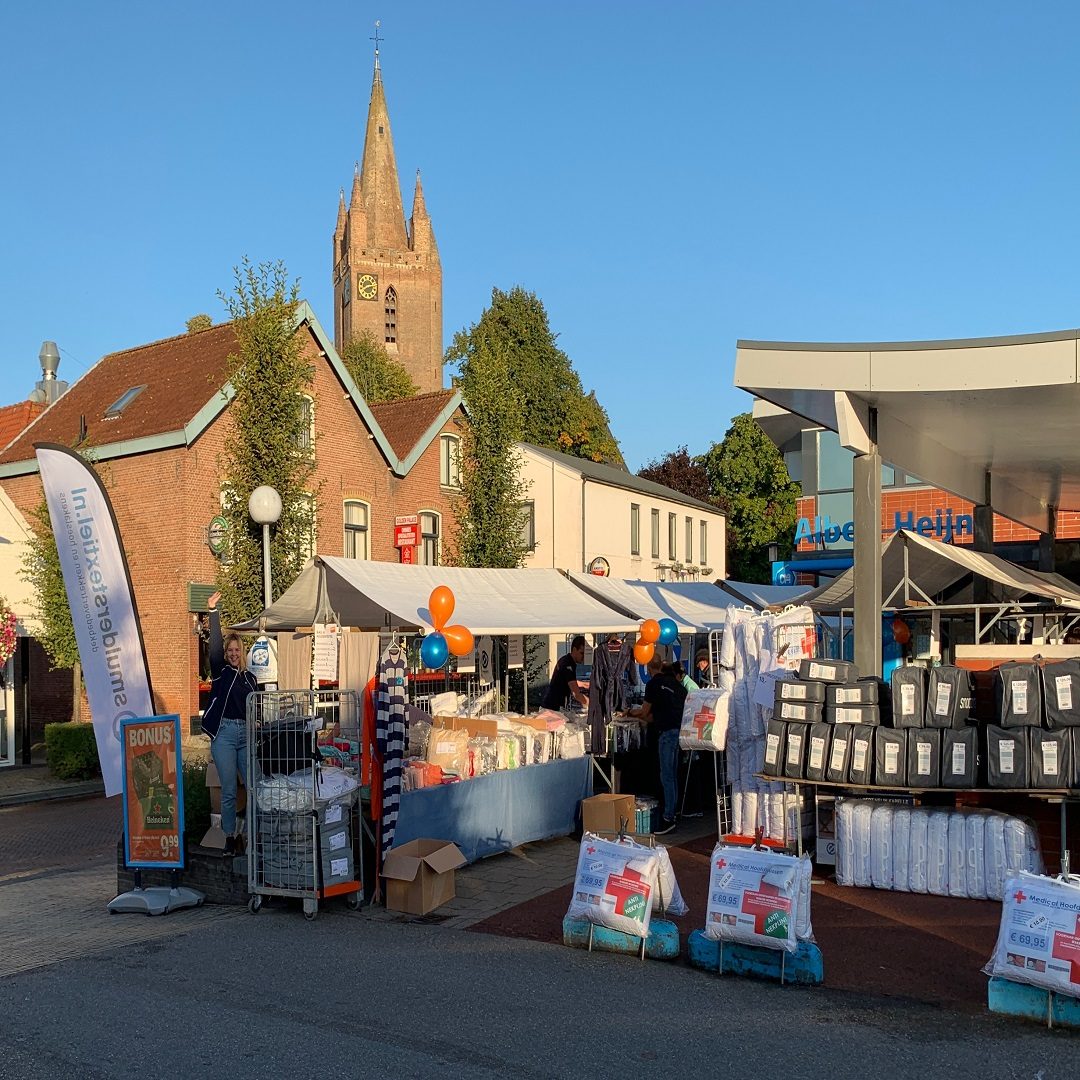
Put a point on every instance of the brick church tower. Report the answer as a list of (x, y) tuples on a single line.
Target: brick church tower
[(387, 277)]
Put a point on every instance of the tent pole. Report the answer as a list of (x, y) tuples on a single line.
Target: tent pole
[(866, 474)]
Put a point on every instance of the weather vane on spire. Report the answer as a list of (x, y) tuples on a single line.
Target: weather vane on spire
[(377, 39)]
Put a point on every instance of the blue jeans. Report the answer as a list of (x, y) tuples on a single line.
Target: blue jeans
[(229, 751), (669, 771)]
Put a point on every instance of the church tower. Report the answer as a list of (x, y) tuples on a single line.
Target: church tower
[(387, 276)]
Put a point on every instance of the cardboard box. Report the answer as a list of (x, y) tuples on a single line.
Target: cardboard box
[(608, 813), (420, 875), (215, 837)]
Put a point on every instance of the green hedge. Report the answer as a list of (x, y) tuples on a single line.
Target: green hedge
[(71, 751), (196, 800)]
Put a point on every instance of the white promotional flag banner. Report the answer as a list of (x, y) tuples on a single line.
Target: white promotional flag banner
[(102, 604)]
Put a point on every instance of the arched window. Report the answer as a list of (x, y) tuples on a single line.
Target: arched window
[(390, 312), (430, 523), (357, 529)]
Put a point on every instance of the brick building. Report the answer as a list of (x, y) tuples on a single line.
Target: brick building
[(157, 417), (387, 277)]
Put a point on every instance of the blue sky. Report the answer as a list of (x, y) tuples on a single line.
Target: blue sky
[(668, 178)]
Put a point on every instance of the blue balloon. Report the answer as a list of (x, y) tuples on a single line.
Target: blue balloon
[(434, 650), (669, 632)]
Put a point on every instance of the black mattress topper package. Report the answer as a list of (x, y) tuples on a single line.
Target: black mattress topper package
[(950, 697), (836, 768), (960, 757), (1061, 693), (863, 692), (795, 746), (803, 690), (775, 733), (908, 696), (1018, 695), (861, 759), (924, 757), (890, 756), (828, 671), (798, 712), (817, 751), (1051, 758), (853, 714), (1006, 757)]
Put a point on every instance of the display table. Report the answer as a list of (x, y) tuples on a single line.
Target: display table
[(497, 812)]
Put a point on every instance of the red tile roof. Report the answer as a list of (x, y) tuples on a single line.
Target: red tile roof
[(405, 420), (181, 374), (15, 418)]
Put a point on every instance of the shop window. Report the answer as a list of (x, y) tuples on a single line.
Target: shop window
[(672, 538), (450, 461), (656, 534), (703, 547), (635, 529), (357, 529), (390, 312), (528, 525), (429, 538)]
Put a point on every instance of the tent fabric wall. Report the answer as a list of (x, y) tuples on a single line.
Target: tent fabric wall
[(695, 606)]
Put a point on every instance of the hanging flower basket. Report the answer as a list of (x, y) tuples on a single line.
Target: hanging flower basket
[(7, 632)]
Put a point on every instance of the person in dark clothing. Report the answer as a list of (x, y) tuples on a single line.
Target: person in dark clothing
[(702, 663), (662, 709), (225, 718), (564, 685)]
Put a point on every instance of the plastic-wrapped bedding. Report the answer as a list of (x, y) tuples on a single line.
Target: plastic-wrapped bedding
[(705, 718), (994, 846), (957, 840), (667, 895), (798, 735), (1050, 757), (836, 769), (860, 835), (775, 739), (950, 697), (1061, 693), (753, 898), (817, 751), (1018, 695), (890, 757), (918, 850), (845, 845), (960, 758), (1006, 756), (861, 755), (804, 929), (881, 846), (828, 671), (937, 840), (924, 757), (975, 825), (614, 885), (812, 692), (908, 696), (1021, 847), (901, 848)]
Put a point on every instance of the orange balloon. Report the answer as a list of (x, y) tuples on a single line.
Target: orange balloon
[(441, 606), (643, 651), (650, 631), (459, 639)]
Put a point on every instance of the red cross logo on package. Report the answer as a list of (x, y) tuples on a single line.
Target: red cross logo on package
[(590, 851), (1019, 896), (721, 863), (1067, 947), (763, 903), (630, 891), (703, 721)]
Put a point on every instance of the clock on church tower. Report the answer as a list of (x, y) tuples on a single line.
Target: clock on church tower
[(367, 286)]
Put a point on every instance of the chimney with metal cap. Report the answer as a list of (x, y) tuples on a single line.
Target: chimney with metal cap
[(49, 388)]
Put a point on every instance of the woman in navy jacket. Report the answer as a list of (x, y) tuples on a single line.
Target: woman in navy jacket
[(225, 717)]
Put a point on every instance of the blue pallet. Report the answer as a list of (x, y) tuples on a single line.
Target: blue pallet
[(1032, 1003), (661, 944), (804, 966)]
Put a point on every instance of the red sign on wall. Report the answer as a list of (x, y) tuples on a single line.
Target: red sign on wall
[(408, 555), (405, 532)]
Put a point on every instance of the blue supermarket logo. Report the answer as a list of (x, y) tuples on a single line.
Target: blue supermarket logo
[(821, 529)]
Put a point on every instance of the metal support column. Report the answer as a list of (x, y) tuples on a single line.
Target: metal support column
[(866, 477)]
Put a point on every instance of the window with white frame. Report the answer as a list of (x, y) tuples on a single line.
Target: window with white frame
[(310, 526), (703, 547), (528, 525), (450, 461), (689, 540), (357, 517), (672, 537), (635, 529), (430, 530), (305, 437), (656, 534)]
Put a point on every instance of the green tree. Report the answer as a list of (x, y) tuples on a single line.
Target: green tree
[(270, 440), (556, 413), (376, 374), (197, 323), (748, 475), (489, 508)]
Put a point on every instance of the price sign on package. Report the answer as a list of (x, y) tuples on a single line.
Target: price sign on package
[(153, 792)]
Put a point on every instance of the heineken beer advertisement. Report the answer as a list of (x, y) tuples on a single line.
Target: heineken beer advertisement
[(153, 792)]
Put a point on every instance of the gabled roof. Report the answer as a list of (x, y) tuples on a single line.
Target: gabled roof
[(620, 478), (185, 391), (14, 418), (406, 420)]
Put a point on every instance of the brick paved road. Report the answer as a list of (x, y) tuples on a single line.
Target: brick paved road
[(70, 833)]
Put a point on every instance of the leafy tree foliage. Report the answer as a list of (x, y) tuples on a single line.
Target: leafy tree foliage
[(489, 509), (269, 440), (556, 413), (376, 374), (41, 570), (198, 323), (681, 472), (747, 473)]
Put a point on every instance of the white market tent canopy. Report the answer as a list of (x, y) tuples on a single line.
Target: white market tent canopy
[(765, 596), (695, 606), (379, 595), (914, 568)]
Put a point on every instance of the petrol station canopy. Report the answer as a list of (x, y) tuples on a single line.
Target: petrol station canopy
[(992, 420)]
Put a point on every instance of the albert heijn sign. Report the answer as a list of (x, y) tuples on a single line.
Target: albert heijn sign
[(941, 525)]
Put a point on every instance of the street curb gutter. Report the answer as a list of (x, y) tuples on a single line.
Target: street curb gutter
[(68, 791)]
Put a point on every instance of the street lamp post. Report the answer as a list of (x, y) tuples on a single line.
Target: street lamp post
[(264, 506)]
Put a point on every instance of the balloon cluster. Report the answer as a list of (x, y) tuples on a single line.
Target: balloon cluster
[(437, 647), (651, 633)]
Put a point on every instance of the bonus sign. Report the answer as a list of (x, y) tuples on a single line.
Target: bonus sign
[(153, 792)]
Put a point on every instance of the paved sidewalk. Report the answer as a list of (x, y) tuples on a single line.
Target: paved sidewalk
[(44, 835), (34, 783)]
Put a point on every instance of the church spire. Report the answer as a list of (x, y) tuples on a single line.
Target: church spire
[(421, 234), (339, 228), (379, 178)]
